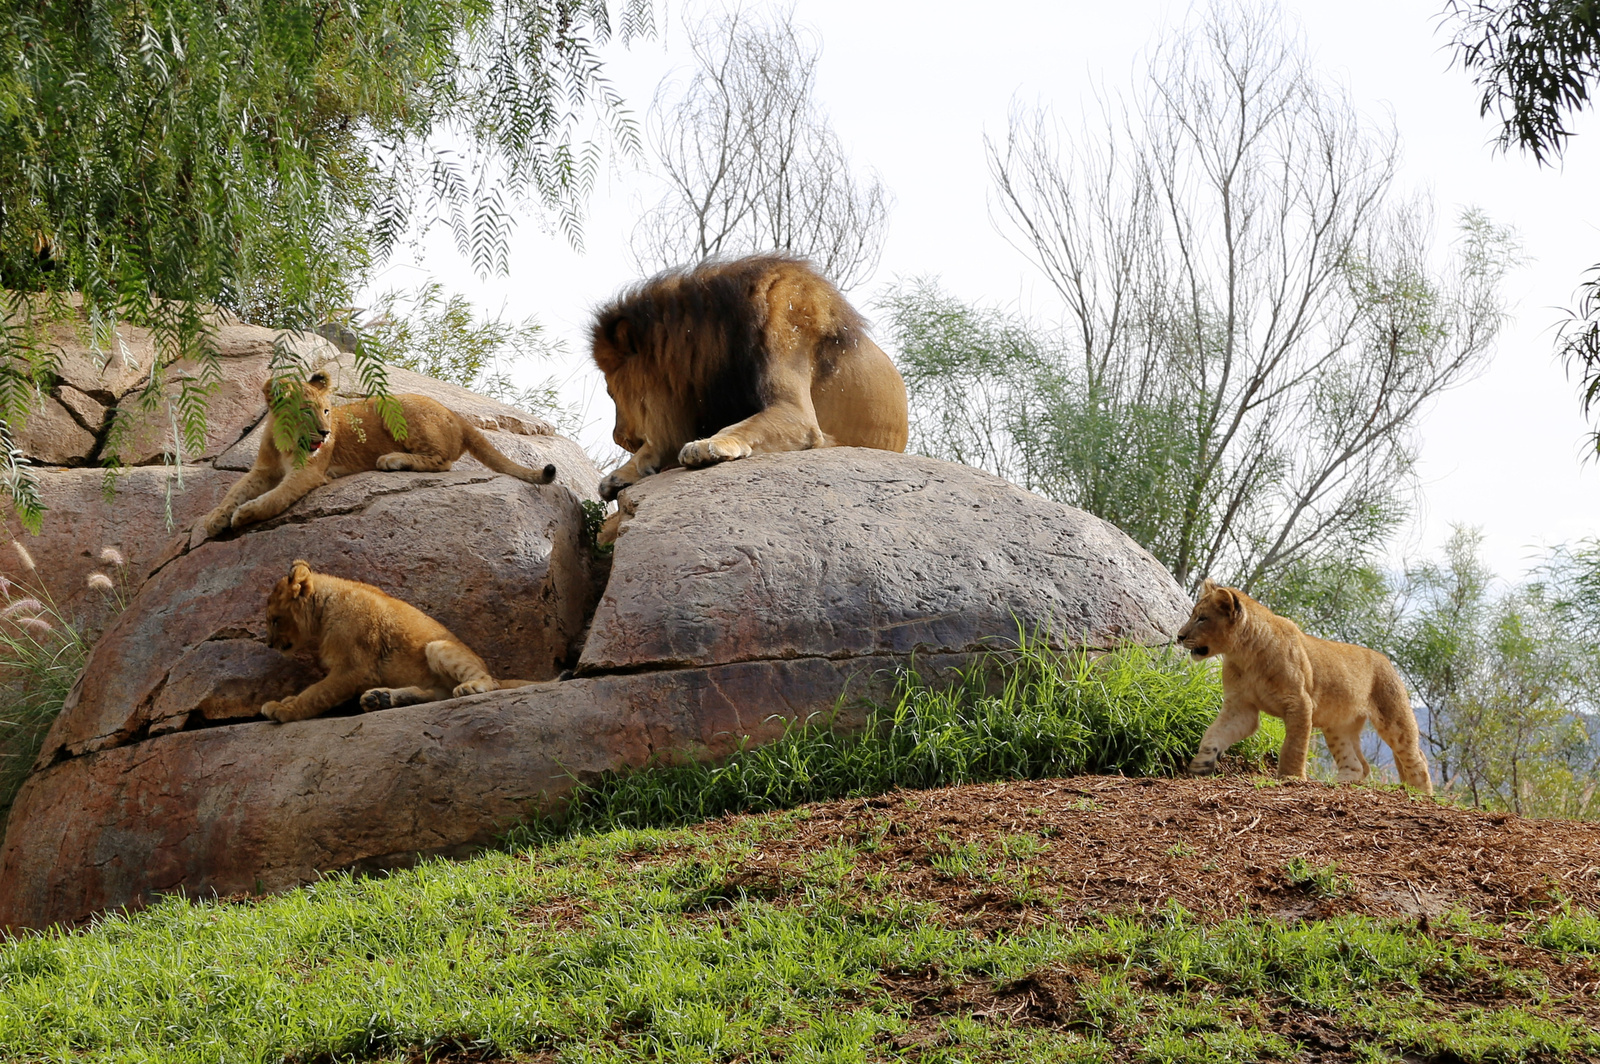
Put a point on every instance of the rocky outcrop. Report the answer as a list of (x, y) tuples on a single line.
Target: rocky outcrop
[(68, 433), (493, 559), (740, 598)]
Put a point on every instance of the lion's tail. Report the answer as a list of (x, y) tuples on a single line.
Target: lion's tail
[(485, 452)]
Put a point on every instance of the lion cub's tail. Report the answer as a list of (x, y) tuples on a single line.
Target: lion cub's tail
[(506, 685), (485, 452)]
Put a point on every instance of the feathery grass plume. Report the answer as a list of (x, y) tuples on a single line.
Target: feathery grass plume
[(27, 605), (112, 556), (101, 582), (42, 652)]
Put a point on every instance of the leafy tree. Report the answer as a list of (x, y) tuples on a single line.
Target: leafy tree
[(1255, 318), (751, 162), (441, 336), (1504, 685), (163, 157), (1537, 62)]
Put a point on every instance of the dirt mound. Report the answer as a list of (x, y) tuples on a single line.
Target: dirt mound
[(1006, 855)]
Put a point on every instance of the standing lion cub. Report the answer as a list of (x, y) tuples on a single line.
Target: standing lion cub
[(387, 651), (352, 439), (1270, 666)]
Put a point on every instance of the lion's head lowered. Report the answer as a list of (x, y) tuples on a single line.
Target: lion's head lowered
[(290, 624), (1212, 624)]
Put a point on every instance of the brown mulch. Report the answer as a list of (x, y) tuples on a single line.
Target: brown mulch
[(1217, 847)]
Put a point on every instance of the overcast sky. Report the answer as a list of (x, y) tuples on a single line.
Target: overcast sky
[(912, 88)]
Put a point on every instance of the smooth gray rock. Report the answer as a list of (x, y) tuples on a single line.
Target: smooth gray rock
[(846, 551)]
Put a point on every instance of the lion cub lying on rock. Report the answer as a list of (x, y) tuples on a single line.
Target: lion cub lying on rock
[(352, 439), (387, 651), (1271, 666)]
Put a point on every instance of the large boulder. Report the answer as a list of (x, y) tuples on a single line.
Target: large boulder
[(740, 598), (847, 552), (496, 561)]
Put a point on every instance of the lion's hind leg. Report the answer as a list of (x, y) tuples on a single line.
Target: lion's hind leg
[(391, 697), (416, 463), (1344, 743), (453, 662), (1396, 725)]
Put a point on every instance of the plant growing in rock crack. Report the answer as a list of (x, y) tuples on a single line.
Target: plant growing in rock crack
[(42, 652)]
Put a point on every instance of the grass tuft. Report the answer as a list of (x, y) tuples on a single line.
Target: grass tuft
[(1034, 715)]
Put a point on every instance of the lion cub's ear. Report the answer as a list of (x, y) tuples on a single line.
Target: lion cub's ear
[(1208, 587), (1229, 602), (320, 379), (300, 578)]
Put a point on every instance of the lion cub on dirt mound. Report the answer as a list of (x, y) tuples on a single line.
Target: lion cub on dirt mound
[(364, 639), (1270, 666), (353, 439), (731, 359)]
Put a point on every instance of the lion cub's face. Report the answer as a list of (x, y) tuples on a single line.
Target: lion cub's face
[(1209, 629), (305, 412), (289, 627)]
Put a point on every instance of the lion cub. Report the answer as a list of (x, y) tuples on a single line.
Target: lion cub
[(1271, 666), (353, 439), (387, 651)]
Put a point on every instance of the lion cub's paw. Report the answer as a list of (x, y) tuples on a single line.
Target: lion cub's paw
[(1203, 766), (278, 712), (712, 450), (393, 461), (377, 698), (245, 515), (214, 522), (474, 687)]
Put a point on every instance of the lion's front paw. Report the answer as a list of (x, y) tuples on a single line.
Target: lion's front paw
[(248, 514), (474, 687), (712, 450), (277, 711), (610, 486), (377, 698), (1203, 765), (395, 460), (214, 522)]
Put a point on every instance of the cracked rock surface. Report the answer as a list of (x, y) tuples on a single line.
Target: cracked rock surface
[(741, 597)]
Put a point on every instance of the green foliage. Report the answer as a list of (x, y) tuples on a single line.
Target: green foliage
[(1135, 712), (1506, 680), (1324, 881), (441, 336), (1536, 62), (158, 158)]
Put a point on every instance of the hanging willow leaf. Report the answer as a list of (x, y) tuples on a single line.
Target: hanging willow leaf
[(160, 161)]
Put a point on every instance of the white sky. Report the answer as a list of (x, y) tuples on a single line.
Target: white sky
[(913, 87)]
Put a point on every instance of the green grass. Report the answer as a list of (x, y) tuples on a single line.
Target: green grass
[(596, 939), (632, 945), (1136, 712)]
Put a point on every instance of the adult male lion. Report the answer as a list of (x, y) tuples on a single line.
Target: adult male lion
[(352, 439), (737, 358), (1270, 666), (385, 650)]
